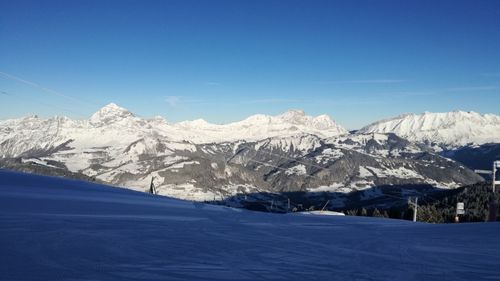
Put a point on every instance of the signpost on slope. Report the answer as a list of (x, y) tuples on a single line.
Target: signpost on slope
[(460, 208), (493, 204), (459, 211)]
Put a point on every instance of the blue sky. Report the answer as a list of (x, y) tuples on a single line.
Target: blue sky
[(357, 61)]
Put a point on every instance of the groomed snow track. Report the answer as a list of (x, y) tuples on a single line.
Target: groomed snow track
[(59, 229)]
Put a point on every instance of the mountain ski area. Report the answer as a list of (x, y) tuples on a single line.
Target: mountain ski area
[(252, 140), (286, 198)]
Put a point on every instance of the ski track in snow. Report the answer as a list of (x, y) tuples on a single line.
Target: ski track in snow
[(58, 229)]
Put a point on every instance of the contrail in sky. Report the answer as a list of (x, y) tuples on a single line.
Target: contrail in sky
[(47, 90)]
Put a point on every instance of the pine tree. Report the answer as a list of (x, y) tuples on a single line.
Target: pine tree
[(376, 213)]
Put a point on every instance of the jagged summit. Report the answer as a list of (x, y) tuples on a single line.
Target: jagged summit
[(113, 124), (294, 116), (294, 119), (261, 126), (110, 114), (446, 130), (196, 160), (112, 107)]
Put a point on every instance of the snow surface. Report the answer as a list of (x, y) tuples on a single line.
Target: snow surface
[(334, 187), (322, 213), (400, 172), (59, 229), (297, 170)]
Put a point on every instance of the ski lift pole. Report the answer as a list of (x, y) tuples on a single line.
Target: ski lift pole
[(496, 164), (493, 203), (493, 206), (152, 188), (415, 207), (415, 210), (325, 205)]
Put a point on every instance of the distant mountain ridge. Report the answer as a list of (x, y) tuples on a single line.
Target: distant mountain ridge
[(196, 160), (18, 136), (448, 130)]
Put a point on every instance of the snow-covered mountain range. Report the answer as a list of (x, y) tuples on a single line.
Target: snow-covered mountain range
[(442, 130), (113, 125), (291, 152)]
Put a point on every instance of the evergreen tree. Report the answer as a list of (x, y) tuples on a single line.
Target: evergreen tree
[(376, 213)]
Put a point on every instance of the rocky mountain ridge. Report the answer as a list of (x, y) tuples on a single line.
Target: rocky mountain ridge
[(446, 131), (195, 160)]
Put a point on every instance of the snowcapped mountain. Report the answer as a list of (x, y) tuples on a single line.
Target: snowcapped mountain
[(113, 125), (291, 152), (260, 126), (445, 130), (111, 113)]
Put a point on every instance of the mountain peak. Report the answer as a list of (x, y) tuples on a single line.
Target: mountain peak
[(324, 122), (293, 113), (110, 114), (112, 106), (197, 123), (294, 116)]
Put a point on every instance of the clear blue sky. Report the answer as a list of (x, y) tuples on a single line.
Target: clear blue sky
[(357, 61)]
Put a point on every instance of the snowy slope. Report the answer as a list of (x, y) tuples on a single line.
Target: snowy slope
[(449, 130), (56, 229)]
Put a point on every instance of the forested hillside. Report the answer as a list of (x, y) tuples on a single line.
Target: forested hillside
[(440, 206)]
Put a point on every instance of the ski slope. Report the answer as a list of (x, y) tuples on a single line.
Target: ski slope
[(59, 229)]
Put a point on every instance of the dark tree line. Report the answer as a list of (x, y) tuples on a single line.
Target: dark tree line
[(440, 206)]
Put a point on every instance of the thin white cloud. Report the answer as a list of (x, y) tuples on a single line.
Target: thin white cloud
[(474, 88), (177, 101), (173, 101), (369, 81), (413, 94), (345, 102), (447, 90), (271, 100), (211, 83), (491, 74)]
